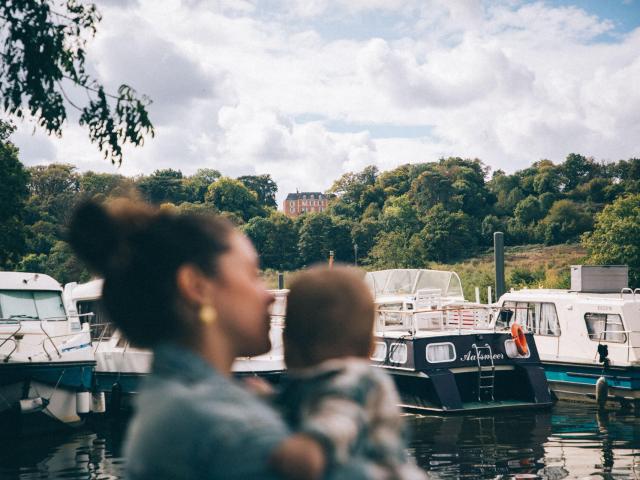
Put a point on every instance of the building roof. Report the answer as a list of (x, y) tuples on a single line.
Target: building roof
[(298, 195)]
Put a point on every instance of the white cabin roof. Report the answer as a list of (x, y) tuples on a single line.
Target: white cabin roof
[(408, 281), (87, 291), (566, 295), (28, 281)]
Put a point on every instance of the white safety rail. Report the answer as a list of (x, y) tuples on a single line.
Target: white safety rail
[(448, 318)]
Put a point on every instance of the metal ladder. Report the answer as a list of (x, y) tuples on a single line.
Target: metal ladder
[(486, 371)]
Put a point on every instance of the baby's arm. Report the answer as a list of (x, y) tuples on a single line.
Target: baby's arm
[(329, 428)]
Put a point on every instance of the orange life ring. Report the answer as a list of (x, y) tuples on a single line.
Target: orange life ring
[(519, 339)]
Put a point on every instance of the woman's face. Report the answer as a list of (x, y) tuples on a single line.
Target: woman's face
[(242, 300)]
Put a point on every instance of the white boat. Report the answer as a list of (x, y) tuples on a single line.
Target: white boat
[(46, 361), (446, 354), (587, 332), (120, 366)]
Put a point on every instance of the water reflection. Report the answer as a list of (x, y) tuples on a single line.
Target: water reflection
[(570, 441), (86, 454)]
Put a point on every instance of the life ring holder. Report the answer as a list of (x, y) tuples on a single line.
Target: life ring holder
[(517, 333)]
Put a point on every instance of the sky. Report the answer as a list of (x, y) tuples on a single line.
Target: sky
[(306, 90)]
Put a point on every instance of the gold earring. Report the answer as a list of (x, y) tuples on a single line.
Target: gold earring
[(208, 314)]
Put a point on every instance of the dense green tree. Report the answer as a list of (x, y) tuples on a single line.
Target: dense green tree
[(195, 186), (615, 239), (314, 241), (163, 186), (355, 191), (400, 215), (13, 195), (229, 195), (264, 187), (566, 221), (528, 210), (507, 192), (276, 240), (446, 236), (433, 187), (364, 235), (54, 191), (392, 250), (99, 186), (490, 224), (44, 48), (576, 170)]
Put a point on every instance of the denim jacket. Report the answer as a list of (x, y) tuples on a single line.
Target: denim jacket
[(191, 422)]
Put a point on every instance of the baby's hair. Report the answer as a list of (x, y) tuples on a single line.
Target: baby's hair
[(138, 249), (330, 314)]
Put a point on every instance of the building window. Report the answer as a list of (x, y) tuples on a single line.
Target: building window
[(605, 327)]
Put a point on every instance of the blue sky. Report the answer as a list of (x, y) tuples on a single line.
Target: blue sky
[(307, 90)]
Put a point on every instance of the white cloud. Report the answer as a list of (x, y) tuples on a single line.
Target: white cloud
[(508, 82)]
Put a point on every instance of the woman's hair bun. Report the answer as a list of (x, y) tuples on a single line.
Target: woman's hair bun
[(94, 236), (100, 233)]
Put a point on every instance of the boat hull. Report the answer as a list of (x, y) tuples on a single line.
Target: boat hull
[(56, 383), (577, 383), (454, 386)]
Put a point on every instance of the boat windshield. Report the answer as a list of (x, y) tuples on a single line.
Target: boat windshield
[(31, 305), (409, 281)]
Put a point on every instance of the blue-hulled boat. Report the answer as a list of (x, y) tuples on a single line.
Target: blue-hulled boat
[(46, 361), (588, 333)]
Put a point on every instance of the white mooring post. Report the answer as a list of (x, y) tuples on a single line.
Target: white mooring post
[(489, 295), (477, 294)]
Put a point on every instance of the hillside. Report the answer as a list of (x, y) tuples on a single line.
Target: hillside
[(525, 265)]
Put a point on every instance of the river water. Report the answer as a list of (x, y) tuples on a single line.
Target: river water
[(568, 441)]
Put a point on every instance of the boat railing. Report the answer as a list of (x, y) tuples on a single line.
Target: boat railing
[(629, 291), (452, 318), (11, 337)]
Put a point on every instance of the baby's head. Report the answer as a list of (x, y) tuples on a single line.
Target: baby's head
[(329, 315)]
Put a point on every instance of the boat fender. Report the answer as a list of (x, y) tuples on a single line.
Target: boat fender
[(116, 398), (603, 352), (83, 401), (517, 333), (32, 405), (602, 391), (98, 404)]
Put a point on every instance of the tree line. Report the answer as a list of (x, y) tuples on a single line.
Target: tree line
[(410, 216)]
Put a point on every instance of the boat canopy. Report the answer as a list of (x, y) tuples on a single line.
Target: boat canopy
[(409, 280)]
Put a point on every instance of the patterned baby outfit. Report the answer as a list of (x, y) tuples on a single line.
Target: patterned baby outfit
[(351, 408)]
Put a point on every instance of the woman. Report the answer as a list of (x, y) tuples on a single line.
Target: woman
[(188, 287)]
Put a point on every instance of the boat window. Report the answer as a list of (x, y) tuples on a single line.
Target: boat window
[(379, 351), (549, 323), (390, 314), (31, 305), (605, 327), (441, 352), (541, 318), (522, 310), (398, 353), (92, 311)]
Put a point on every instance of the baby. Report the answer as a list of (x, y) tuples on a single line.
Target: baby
[(341, 406)]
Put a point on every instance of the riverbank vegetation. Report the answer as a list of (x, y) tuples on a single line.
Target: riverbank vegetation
[(426, 214)]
